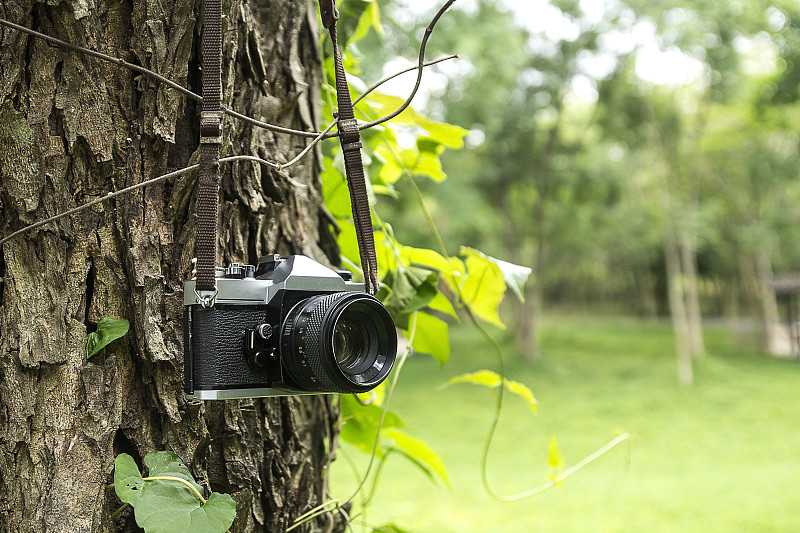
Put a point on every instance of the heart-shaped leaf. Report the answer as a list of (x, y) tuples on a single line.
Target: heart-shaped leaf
[(128, 482), (108, 330)]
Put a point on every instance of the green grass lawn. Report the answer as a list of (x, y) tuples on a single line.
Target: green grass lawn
[(721, 456)]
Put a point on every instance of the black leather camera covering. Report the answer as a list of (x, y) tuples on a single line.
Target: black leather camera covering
[(215, 358)]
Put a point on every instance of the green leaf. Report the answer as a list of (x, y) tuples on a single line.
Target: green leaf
[(170, 507), (334, 191), (490, 379), (108, 330), (427, 164), (450, 269), (483, 287), (427, 258), (375, 17), (431, 337), (386, 104), (430, 145), (420, 453), (442, 304), (166, 463), (515, 276), (554, 458), (162, 506), (390, 172), (449, 135), (412, 288), (361, 422), (128, 480)]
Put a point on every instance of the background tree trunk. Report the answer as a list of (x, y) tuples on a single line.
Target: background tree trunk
[(694, 315), (71, 130)]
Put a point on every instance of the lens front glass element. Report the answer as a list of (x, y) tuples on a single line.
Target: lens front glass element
[(350, 339), (339, 342)]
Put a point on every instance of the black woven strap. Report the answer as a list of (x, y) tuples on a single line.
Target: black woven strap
[(350, 139), (210, 140)]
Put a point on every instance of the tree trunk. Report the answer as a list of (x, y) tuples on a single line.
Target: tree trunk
[(694, 314), (675, 295), (72, 129), (677, 308), (770, 318)]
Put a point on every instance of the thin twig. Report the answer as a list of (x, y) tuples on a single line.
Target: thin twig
[(132, 188), (312, 144), (421, 64), (116, 513), (400, 73), (231, 112), (104, 57), (267, 125), (326, 135), (568, 472)]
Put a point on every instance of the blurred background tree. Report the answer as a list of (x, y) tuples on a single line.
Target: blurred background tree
[(639, 157)]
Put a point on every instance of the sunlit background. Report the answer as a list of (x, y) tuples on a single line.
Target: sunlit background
[(642, 158)]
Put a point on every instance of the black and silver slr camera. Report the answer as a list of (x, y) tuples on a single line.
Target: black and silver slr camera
[(289, 326)]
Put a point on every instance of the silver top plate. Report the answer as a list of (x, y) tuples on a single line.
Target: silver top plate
[(305, 275)]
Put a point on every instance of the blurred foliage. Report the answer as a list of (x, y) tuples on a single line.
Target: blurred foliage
[(574, 157)]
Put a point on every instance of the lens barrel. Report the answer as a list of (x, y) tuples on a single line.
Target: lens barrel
[(340, 342)]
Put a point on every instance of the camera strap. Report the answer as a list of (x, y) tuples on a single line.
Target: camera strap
[(211, 138), (210, 141), (350, 140)]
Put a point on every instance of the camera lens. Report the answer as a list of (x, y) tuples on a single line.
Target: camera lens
[(349, 340), (340, 342)]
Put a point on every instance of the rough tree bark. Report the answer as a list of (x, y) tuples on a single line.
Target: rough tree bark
[(72, 129)]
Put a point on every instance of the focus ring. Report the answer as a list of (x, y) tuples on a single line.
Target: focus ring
[(307, 345)]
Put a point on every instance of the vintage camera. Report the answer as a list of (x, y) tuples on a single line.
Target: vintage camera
[(289, 326)]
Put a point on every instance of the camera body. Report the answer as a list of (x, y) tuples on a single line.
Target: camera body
[(289, 326)]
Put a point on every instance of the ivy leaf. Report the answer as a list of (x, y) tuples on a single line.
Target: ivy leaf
[(427, 258), (430, 145), (419, 453), (361, 423), (370, 17), (165, 463), (483, 287), (427, 164), (108, 330), (442, 304), (170, 507), (431, 337), (450, 269), (515, 276), (390, 172), (412, 288), (334, 190), (166, 506), (554, 458), (449, 135), (386, 104), (128, 480), (490, 379)]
